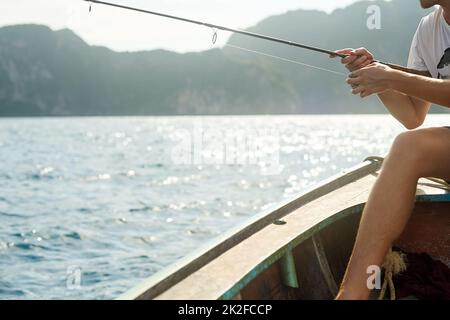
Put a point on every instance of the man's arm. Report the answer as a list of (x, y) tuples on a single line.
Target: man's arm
[(380, 79), (435, 91), (408, 110)]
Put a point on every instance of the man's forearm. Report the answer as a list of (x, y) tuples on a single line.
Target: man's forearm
[(435, 91), (401, 107)]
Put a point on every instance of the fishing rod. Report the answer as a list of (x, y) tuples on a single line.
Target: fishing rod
[(222, 28), (246, 33)]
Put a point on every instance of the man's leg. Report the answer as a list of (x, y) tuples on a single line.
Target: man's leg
[(414, 154)]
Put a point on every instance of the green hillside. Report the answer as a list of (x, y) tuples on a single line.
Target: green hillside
[(52, 73)]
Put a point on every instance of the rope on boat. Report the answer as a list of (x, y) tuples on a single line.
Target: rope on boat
[(393, 264)]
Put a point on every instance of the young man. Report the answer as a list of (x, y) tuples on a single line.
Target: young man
[(414, 154)]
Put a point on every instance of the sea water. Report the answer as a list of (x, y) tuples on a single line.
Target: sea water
[(91, 206)]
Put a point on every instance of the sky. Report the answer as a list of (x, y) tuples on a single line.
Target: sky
[(128, 31)]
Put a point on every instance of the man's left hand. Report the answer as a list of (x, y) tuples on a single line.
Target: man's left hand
[(369, 80)]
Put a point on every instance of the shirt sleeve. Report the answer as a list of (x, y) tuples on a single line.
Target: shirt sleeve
[(415, 59)]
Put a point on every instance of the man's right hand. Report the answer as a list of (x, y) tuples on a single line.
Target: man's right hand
[(356, 59)]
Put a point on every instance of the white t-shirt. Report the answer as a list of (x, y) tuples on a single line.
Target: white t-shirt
[(430, 49)]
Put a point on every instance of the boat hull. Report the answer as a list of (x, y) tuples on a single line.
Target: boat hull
[(300, 249), (321, 259)]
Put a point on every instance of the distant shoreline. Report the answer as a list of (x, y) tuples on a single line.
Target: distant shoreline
[(211, 116)]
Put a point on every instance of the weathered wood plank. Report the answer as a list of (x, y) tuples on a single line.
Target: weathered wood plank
[(324, 265), (428, 231), (162, 281), (238, 265), (196, 276)]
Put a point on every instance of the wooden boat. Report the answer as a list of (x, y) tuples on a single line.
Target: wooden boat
[(300, 250)]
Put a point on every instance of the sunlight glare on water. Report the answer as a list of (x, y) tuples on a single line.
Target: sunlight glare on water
[(107, 197)]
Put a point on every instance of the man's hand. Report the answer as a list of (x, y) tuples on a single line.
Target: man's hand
[(371, 79), (357, 58), (407, 95)]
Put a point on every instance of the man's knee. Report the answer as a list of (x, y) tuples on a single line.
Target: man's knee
[(410, 147), (417, 149), (409, 143)]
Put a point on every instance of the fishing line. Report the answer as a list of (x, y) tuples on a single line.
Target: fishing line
[(286, 60), (218, 27), (249, 34)]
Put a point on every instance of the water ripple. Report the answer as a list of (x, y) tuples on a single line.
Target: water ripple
[(107, 197)]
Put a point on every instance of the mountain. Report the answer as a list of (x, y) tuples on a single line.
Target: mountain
[(55, 73)]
